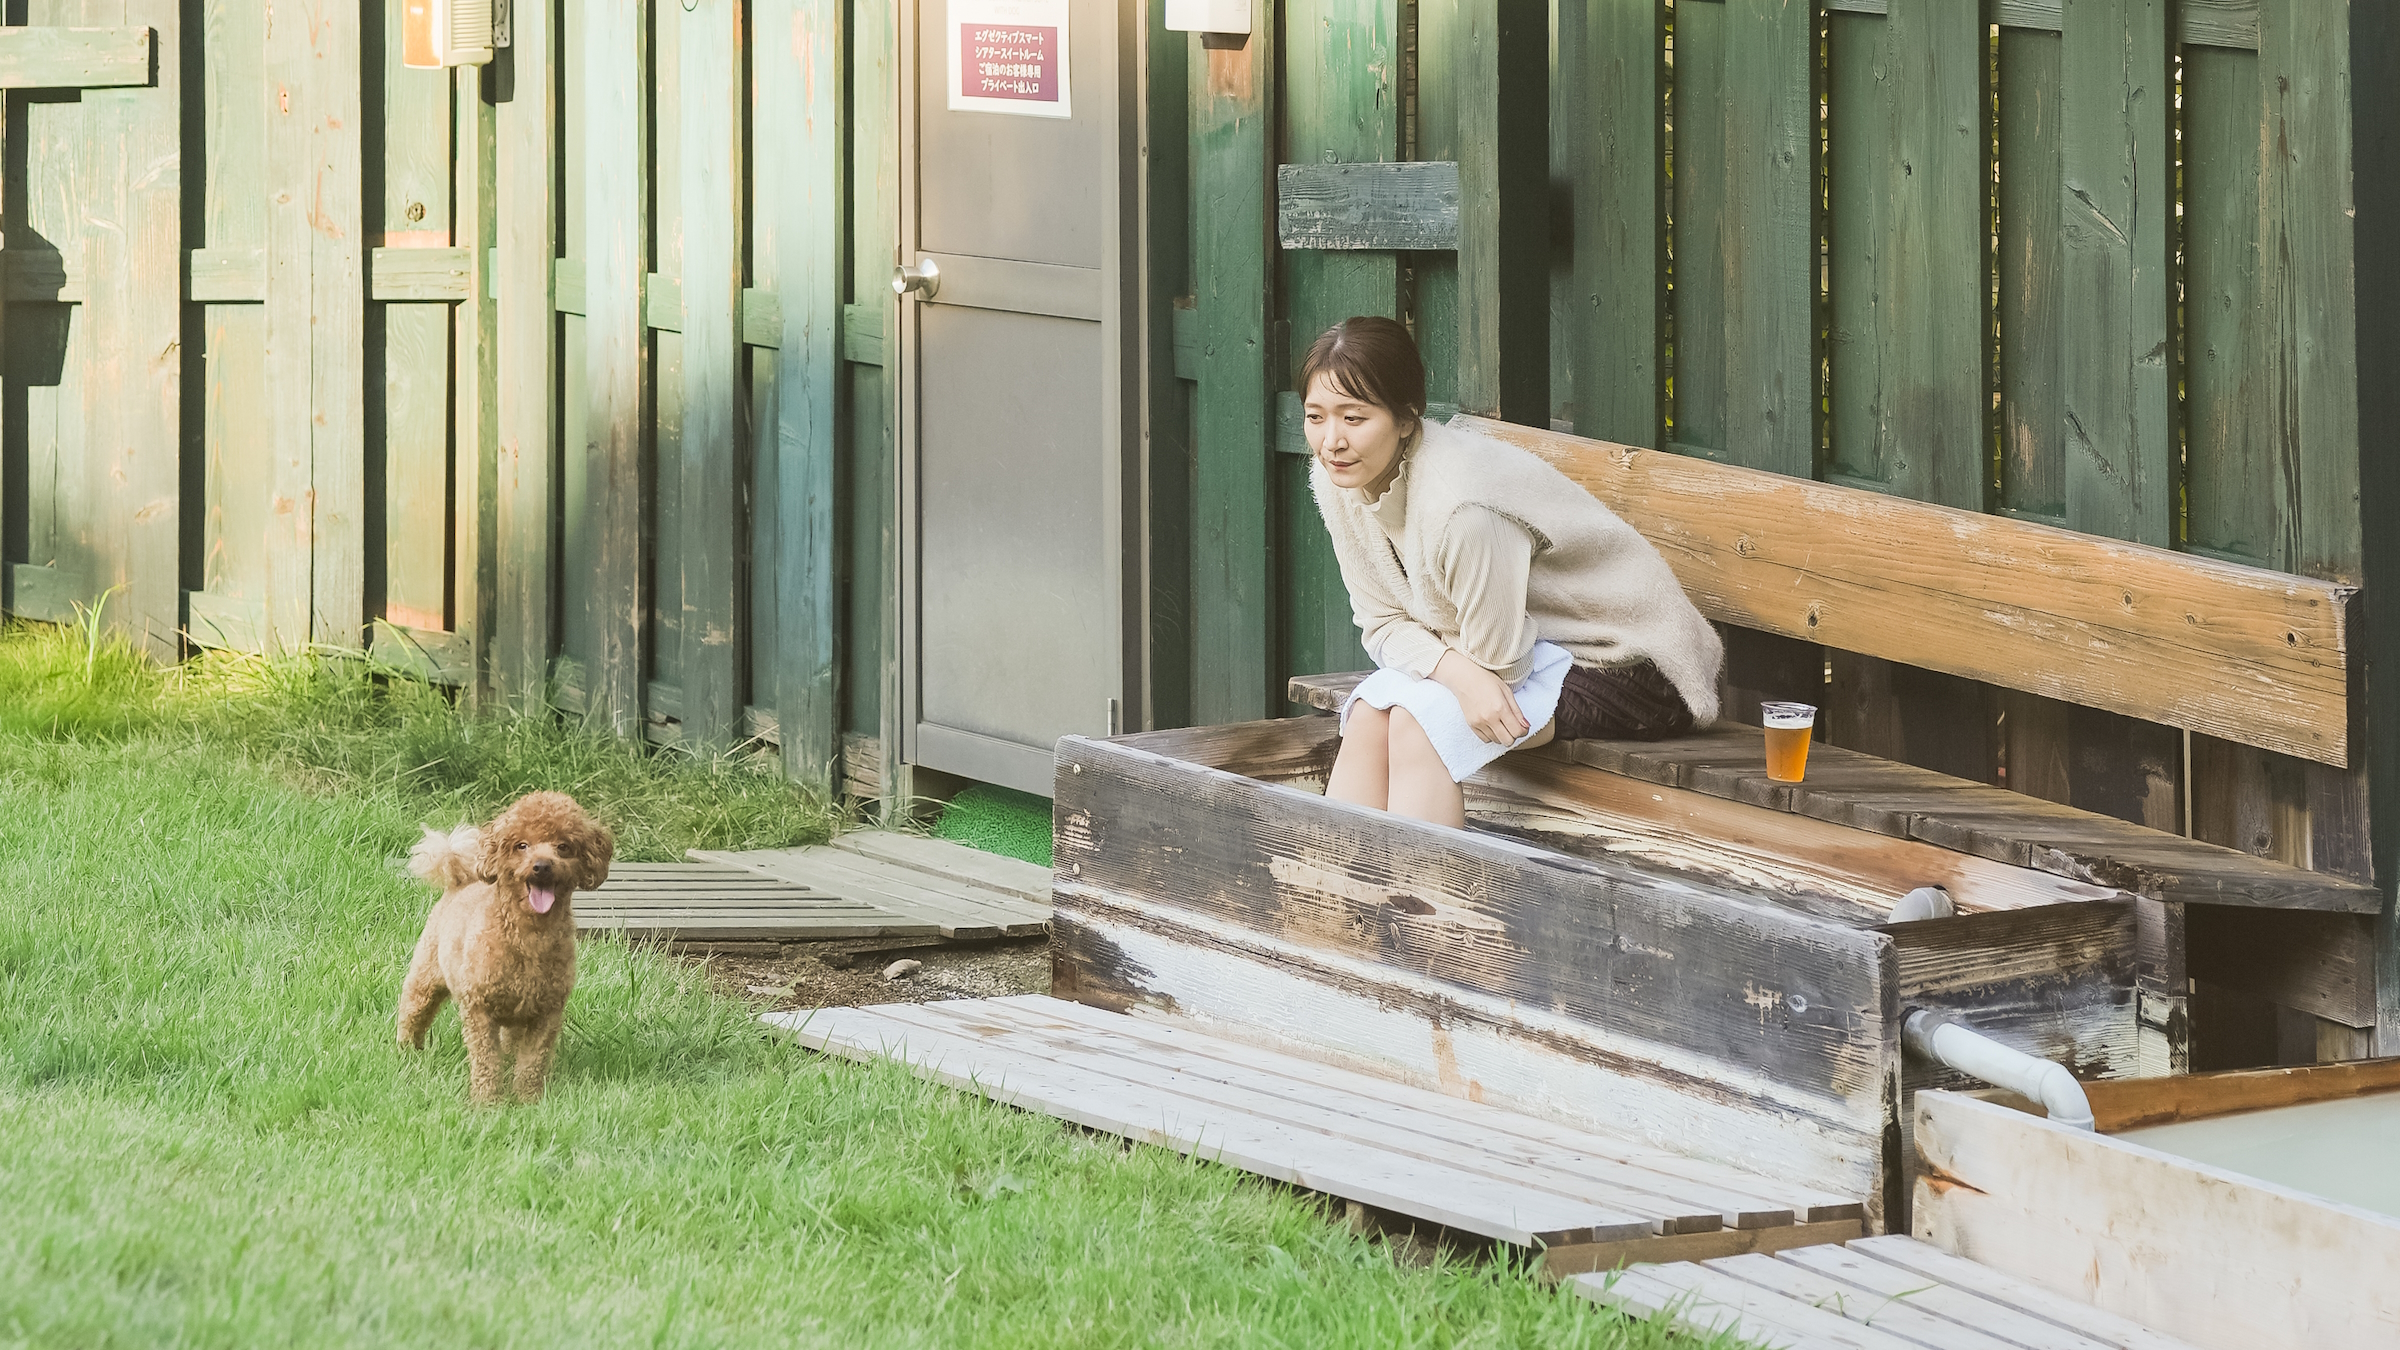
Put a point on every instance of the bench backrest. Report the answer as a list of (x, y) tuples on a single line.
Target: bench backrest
[(2240, 653)]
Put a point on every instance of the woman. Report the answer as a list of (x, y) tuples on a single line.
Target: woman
[(1503, 605)]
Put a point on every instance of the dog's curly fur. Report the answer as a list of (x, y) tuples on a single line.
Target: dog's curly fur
[(509, 966)]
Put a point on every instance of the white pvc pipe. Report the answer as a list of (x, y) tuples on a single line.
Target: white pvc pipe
[(1938, 1038), (1925, 902)]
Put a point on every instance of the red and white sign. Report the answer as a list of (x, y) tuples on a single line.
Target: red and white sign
[(1009, 56)]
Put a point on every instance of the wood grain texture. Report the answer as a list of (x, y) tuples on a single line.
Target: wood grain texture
[(2375, 95), (130, 198), (475, 422), (1910, 291), (1613, 62), (2032, 294), (713, 196), (1233, 130), (1499, 64), (2320, 964), (2215, 23), (1769, 235), (617, 352), (526, 360), (50, 57), (1863, 792), (2116, 218), (1367, 206), (2135, 1103), (2248, 655), (2151, 1237), (1172, 875)]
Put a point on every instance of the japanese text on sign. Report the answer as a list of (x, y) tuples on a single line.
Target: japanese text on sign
[(1009, 56)]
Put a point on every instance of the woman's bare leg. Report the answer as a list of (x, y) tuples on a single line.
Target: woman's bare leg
[(1362, 771), (1547, 734), (1420, 782)]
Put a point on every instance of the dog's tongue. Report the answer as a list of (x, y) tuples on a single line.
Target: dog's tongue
[(540, 899)]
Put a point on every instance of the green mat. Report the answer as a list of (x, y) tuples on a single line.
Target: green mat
[(999, 820)]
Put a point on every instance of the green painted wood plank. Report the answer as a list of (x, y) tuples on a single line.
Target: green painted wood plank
[(713, 195), (801, 224), (1367, 206), (2306, 78), (2032, 300), (760, 318), (226, 275), (413, 429), (1697, 171), (1611, 58), (1910, 387), (1169, 328), (49, 57), (2237, 480), (526, 359), (1342, 115), (131, 194), (1769, 235), (1500, 66), (442, 658), (617, 153), (2117, 218), (1233, 137)]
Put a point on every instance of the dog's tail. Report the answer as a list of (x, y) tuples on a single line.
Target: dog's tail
[(447, 860)]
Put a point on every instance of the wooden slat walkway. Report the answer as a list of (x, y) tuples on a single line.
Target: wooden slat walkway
[(1884, 1293), (717, 902), (961, 892), (1412, 1152), (1905, 802)]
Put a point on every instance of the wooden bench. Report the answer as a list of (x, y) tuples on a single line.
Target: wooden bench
[(2257, 658)]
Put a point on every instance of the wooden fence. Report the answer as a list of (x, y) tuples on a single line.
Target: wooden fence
[(2095, 264), (565, 378), (526, 377)]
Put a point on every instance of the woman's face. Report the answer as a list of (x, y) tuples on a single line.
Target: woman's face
[(1358, 442)]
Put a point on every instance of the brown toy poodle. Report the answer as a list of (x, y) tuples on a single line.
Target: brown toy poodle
[(502, 938)]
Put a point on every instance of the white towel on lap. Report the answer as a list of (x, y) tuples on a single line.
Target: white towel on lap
[(1436, 708)]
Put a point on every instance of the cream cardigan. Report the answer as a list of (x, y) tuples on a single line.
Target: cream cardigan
[(1594, 587)]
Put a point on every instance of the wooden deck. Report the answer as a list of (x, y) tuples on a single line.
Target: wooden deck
[(868, 884), (964, 894), (1884, 1293), (1591, 1200)]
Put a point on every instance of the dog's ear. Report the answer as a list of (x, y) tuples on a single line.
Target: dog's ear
[(599, 850), (497, 838)]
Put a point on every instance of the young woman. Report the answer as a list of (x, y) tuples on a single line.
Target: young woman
[(1503, 605)]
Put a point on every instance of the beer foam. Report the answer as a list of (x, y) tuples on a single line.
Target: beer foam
[(1787, 716)]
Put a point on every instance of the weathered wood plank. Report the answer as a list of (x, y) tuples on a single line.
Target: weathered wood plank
[(1499, 67), (526, 359), (1910, 385), (2320, 964), (1697, 240), (130, 200), (955, 1052), (797, 250), (2033, 464), (474, 421), (2117, 215), (2009, 1310), (1932, 1263), (1029, 882), (1233, 135), (2139, 1102), (617, 352), (49, 57), (1706, 1301), (1613, 62), (1411, 205), (1769, 235), (1193, 894), (713, 197), (2375, 99), (2215, 23), (2150, 1237), (409, 395), (2236, 652), (421, 274), (960, 911), (443, 658)]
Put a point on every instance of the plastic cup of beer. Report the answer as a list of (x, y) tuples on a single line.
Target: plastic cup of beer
[(1789, 727)]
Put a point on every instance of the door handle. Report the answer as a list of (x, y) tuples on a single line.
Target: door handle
[(924, 278)]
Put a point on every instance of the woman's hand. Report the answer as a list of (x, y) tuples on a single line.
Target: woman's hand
[(1490, 706)]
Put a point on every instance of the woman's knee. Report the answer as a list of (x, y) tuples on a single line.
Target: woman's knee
[(1408, 740), (1366, 719)]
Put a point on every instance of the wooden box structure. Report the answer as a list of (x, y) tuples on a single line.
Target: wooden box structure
[(1599, 969)]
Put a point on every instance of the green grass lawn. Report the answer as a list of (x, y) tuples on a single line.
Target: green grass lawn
[(208, 1137)]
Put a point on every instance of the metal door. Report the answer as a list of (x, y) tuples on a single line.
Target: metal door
[(1014, 438)]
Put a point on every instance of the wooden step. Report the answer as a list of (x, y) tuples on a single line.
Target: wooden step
[(954, 907), (1883, 1293), (719, 902), (1420, 1154)]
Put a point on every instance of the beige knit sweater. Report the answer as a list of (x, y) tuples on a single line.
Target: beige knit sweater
[(1434, 563)]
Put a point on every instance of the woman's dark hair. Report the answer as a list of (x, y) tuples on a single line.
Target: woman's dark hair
[(1371, 358)]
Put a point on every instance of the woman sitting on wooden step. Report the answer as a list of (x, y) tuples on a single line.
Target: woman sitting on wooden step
[(1503, 605)]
